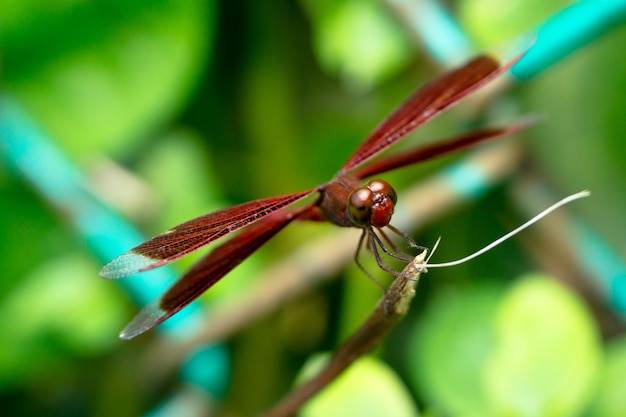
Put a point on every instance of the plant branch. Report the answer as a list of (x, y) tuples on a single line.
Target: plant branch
[(390, 309)]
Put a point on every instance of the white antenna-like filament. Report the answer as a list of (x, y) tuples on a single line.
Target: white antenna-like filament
[(495, 243)]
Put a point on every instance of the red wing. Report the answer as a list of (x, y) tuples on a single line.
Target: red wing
[(427, 102), (437, 149), (209, 270), (194, 234)]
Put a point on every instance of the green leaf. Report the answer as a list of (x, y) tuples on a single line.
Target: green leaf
[(548, 352), (358, 40), (611, 398), (58, 310), (98, 75), (367, 388), (452, 343), (489, 21)]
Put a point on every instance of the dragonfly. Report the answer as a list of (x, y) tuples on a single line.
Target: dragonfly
[(345, 200)]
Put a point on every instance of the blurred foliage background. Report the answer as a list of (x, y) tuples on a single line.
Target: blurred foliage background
[(172, 109)]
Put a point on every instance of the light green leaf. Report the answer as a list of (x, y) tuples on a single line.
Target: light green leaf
[(61, 304), (494, 21), (358, 40), (368, 388), (452, 344), (98, 75), (611, 398), (548, 352)]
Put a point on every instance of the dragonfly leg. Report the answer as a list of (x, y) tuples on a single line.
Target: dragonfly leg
[(378, 260)]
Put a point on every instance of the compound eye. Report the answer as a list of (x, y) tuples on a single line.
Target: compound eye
[(383, 202), (360, 206), (384, 188)]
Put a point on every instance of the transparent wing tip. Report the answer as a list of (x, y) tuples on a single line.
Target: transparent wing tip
[(126, 264), (148, 317)]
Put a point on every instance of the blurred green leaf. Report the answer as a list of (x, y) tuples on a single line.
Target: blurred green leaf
[(451, 346), (358, 40), (178, 166), (488, 21), (611, 399), (100, 75), (367, 388), (534, 352), (547, 354), (25, 219), (48, 310)]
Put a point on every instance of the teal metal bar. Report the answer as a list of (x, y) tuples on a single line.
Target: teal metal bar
[(566, 31)]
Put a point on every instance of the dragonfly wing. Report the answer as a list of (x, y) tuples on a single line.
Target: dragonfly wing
[(194, 234), (209, 270), (438, 148), (426, 103)]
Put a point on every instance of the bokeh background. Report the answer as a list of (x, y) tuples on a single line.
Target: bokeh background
[(163, 110)]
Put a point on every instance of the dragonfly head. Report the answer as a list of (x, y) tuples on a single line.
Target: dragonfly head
[(372, 204)]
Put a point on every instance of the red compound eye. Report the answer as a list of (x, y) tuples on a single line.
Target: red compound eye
[(381, 212), (383, 202), (383, 187), (360, 206)]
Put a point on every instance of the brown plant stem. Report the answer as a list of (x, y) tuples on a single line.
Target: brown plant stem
[(390, 309)]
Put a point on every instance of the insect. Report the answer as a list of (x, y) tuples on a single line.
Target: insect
[(344, 200)]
